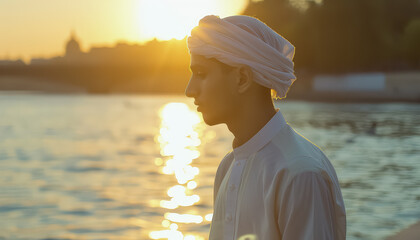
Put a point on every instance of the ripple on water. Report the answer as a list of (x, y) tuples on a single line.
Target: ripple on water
[(94, 157), (84, 169), (356, 184), (21, 154), (77, 212), (102, 230), (12, 207), (4, 155)]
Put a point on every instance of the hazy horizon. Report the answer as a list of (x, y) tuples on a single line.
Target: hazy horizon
[(35, 29)]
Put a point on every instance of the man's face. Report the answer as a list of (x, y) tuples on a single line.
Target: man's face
[(213, 88)]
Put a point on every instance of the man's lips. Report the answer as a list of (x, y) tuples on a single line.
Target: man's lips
[(198, 105)]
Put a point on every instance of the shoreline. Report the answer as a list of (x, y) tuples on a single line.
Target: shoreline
[(410, 233), (308, 98)]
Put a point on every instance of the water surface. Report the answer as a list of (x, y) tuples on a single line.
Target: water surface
[(142, 167)]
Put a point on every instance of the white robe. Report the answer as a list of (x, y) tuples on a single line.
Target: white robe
[(278, 185)]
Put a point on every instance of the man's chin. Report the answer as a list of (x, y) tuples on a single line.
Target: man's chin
[(209, 120)]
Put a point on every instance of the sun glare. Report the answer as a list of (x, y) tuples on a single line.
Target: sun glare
[(179, 141), (167, 19)]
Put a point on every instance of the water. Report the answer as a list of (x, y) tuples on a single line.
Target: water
[(122, 167)]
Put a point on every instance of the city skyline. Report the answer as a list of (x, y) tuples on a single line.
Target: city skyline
[(38, 29)]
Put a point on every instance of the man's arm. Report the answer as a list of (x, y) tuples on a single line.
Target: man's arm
[(306, 209)]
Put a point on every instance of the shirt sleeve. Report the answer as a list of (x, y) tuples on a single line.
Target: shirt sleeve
[(306, 209)]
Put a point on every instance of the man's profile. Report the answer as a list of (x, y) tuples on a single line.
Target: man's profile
[(275, 184)]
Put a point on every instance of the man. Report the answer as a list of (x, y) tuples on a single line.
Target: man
[(275, 184)]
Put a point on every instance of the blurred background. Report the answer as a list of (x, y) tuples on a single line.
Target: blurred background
[(97, 140)]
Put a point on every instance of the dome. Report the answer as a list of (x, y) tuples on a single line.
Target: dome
[(72, 46)]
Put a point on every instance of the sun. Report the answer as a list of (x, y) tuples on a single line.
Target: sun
[(167, 19)]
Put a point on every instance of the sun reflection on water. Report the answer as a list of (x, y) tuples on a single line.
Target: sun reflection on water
[(179, 138)]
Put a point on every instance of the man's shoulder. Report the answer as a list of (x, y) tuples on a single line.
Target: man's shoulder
[(292, 144), (289, 152)]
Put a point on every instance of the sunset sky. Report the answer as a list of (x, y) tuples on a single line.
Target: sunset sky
[(40, 28)]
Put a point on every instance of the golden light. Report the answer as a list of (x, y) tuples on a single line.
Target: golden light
[(248, 237), (167, 19), (171, 234), (158, 161), (191, 237), (192, 185), (166, 223), (179, 198), (179, 140), (184, 218), (209, 217)]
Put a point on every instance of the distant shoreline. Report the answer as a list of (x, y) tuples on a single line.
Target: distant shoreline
[(167, 79), (26, 84), (308, 98)]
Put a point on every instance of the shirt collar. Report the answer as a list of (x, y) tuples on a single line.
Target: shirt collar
[(260, 139)]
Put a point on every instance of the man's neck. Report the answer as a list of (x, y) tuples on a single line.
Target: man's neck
[(249, 121)]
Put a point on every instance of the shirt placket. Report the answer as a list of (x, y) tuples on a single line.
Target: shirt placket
[(232, 198)]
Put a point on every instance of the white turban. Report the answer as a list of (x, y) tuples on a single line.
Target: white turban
[(243, 40)]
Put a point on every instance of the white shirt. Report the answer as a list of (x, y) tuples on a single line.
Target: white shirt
[(278, 185)]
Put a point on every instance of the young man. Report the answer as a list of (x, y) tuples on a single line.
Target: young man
[(275, 184)]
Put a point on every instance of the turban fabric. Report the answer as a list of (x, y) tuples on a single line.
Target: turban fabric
[(242, 40)]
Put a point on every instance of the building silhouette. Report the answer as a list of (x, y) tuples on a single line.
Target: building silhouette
[(73, 54), (73, 46)]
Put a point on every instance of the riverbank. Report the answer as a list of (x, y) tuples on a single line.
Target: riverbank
[(410, 233), (352, 88)]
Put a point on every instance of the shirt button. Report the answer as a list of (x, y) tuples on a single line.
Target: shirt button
[(228, 218), (232, 187)]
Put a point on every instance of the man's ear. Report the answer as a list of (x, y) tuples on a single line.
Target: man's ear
[(244, 80)]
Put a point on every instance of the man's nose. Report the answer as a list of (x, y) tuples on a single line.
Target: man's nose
[(191, 90)]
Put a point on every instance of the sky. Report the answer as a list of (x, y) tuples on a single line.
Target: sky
[(40, 28)]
